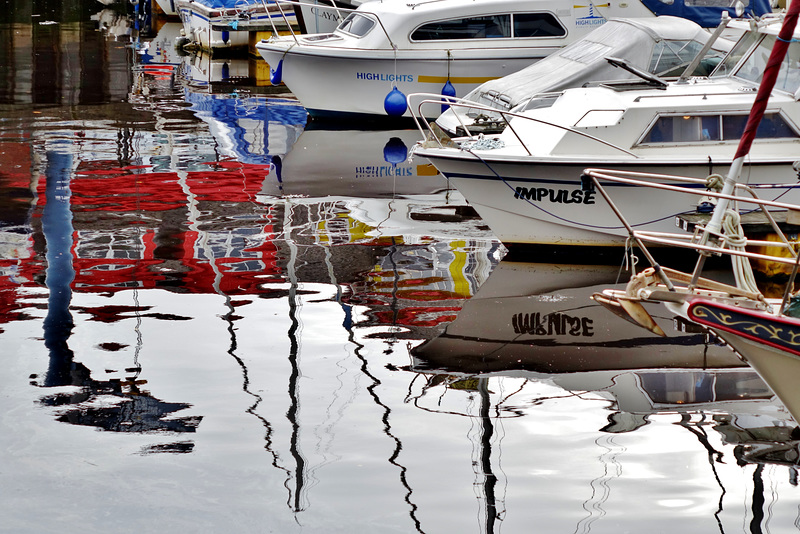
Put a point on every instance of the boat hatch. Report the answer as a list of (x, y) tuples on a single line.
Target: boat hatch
[(722, 127), (516, 25), (321, 37)]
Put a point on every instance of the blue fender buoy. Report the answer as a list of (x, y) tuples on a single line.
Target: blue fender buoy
[(276, 76), (447, 90), (226, 71), (226, 36), (395, 103), (395, 151)]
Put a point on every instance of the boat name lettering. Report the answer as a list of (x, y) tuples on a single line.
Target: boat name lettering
[(325, 14), (589, 22), (556, 196), (552, 324), (385, 77), (377, 171)]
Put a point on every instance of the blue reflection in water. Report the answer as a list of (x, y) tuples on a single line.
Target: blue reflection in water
[(57, 227)]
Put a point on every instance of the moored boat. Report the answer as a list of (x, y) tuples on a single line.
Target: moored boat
[(664, 46), (385, 50), (228, 24), (525, 182)]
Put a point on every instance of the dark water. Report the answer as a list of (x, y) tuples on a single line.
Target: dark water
[(215, 317)]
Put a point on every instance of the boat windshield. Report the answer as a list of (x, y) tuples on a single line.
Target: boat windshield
[(670, 57), (752, 68), (356, 24), (735, 55)]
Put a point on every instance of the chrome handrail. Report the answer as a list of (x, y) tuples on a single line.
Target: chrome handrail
[(629, 178), (335, 9)]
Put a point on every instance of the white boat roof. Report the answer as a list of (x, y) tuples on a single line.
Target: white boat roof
[(400, 18)]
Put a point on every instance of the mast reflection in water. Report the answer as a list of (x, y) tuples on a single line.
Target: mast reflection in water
[(215, 315)]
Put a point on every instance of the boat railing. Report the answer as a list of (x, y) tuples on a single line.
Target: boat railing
[(698, 239), (332, 8), (265, 4), (417, 101)]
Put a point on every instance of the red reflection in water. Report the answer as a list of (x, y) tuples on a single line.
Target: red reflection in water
[(196, 232), (108, 201)]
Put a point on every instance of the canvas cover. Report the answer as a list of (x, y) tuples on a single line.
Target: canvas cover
[(583, 61)]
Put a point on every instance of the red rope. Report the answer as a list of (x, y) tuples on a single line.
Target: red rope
[(768, 80)]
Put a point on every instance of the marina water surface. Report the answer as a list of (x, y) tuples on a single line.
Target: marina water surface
[(216, 316)]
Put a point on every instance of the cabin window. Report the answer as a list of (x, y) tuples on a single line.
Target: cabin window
[(356, 24), (699, 128), (491, 27), (537, 25)]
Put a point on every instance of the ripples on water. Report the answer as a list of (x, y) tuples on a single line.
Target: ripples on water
[(216, 316)]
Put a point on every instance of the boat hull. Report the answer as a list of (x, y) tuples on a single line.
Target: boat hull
[(367, 76), (545, 203), (769, 344)]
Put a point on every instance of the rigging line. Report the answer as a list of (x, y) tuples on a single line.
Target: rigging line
[(702, 437), (387, 429), (774, 494), (564, 219)]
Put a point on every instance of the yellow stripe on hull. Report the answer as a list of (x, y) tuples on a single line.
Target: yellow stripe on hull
[(463, 79)]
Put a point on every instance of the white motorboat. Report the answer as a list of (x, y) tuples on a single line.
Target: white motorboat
[(385, 50), (526, 181), (764, 331), (663, 46), (227, 24)]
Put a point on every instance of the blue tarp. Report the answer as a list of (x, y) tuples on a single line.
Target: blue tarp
[(706, 15), (220, 4)]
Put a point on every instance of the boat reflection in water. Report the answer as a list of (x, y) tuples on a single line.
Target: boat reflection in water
[(329, 161), (531, 338)]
